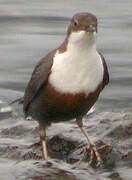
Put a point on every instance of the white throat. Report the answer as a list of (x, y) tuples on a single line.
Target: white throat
[(82, 39), (79, 69)]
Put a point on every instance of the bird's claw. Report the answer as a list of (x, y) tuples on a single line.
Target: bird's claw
[(95, 157)]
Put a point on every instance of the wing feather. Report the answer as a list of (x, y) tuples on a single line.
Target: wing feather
[(38, 79), (106, 73)]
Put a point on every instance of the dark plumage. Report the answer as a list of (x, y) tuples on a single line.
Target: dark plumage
[(45, 103)]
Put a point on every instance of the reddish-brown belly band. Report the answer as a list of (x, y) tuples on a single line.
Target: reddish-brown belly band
[(53, 106)]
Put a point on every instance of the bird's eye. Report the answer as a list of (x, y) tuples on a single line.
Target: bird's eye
[(75, 22)]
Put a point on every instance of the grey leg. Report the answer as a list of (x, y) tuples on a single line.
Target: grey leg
[(92, 145), (42, 132)]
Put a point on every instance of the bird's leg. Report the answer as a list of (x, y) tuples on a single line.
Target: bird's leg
[(42, 132), (92, 145)]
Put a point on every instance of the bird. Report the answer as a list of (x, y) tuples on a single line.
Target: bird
[(66, 83)]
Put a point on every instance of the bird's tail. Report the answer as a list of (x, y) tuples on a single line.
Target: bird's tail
[(19, 100), (7, 108)]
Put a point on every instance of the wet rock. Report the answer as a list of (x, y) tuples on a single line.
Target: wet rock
[(68, 148), (59, 147)]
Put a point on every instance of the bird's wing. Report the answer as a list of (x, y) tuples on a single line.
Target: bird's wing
[(38, 79), (106, 73)]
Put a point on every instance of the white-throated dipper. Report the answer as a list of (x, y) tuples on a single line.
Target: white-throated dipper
[(67, 82)]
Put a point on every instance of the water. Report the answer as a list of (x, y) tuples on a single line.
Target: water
[(30, 29)]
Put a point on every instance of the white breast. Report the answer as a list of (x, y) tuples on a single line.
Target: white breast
[(77, 70)]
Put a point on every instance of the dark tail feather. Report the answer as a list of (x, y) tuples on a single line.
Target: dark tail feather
[(19, 100)]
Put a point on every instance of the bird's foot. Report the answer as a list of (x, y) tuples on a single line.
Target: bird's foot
[(95, 158)]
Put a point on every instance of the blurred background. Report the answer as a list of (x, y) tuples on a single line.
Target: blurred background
[(30, 29)]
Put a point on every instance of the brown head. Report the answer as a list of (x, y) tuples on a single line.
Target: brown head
[(81, 32), (83, 22)]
